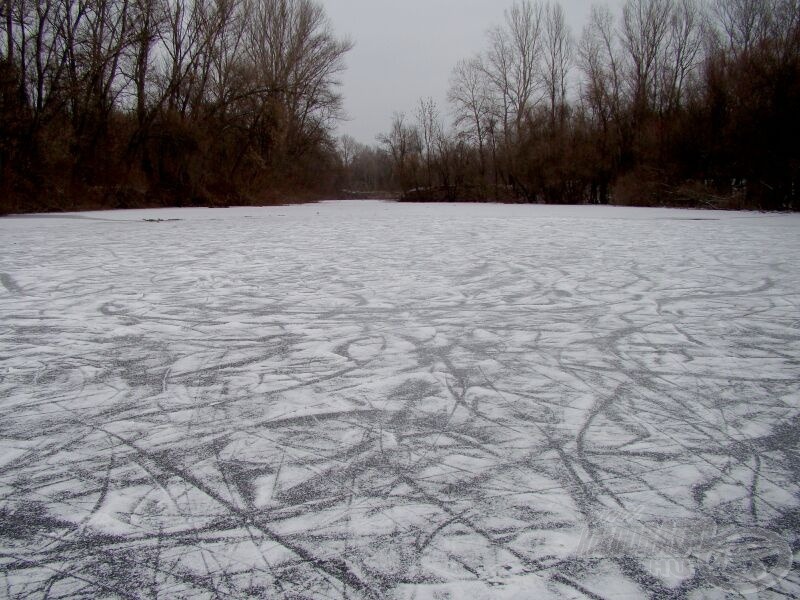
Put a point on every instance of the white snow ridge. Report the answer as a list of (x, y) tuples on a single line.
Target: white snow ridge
[(376, 400)]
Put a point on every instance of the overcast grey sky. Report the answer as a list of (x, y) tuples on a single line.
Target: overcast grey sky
[(406, 49)]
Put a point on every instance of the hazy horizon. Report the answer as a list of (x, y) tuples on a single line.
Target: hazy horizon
[(406, 50)]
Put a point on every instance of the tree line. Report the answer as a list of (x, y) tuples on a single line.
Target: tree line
[(118, 103), (673, 102)]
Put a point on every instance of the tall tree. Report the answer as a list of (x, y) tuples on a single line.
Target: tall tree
[(472, 104), (557, 57)]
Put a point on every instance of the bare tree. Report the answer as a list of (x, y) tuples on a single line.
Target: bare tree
[(348, 147), (600, 63), (182, 45), (148, 18), (645, 30), (683, 53), (7, 15), (292, 48), (403, 145), (430, 133), (370, 170), (557, 59), (600, 59), (472, 103), (497, 67), (786, 29), (228, 70), (512, 62), (524, 30), (745, 23)]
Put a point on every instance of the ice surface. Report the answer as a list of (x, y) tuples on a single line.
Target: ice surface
[(374, 400)]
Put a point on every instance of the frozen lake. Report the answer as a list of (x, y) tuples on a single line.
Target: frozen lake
[(375, 400)]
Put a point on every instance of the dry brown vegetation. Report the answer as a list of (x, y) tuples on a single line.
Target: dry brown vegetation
[(674, 102), (122, 103), (125, 103)]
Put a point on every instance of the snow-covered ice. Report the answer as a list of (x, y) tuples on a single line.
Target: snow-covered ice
[(375, 400)]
